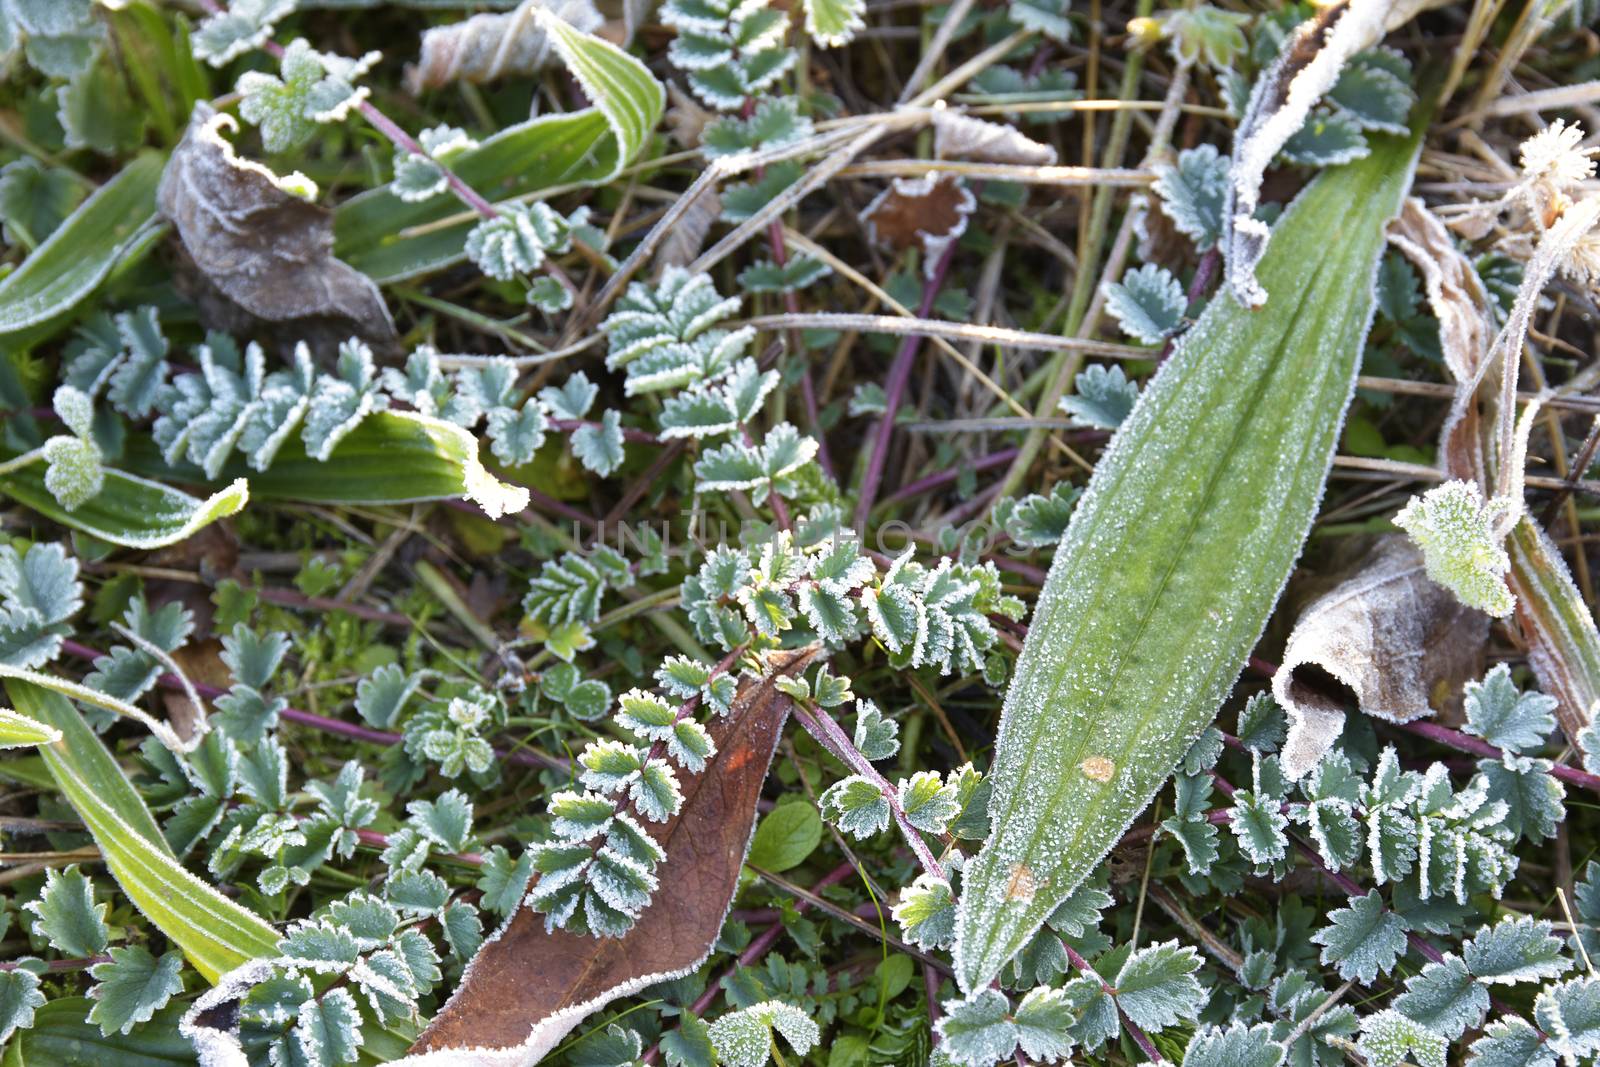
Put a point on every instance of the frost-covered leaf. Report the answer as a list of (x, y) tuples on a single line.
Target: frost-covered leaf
[(35, 199), (313, 88), (1375, 97), (1156, 987), (19, 999), (1515, 950), (774, 123), (244, 26), (1102, 397), (876, 737), (977, 1031), (1504, 717), (928, 803), (1389, 1038), (422, 177), (1192, 193), (1236, 1046), (1046, 17), (1148, 304), (517, 239), (133, 987), (598, 445), (67, 915), (1326, 140), (856, 806), (1040, 519), (927, 912), (1444, 998), (1511, 1042), (743, 1038), (492, 46), (1455, 529), (734, 51), (1364, 940), (765, 276), (329, 1029)]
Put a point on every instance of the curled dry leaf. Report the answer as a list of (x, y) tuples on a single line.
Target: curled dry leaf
[(957, 136), (929, 212), (486, 47), (684, 241), (1555, 622), (262, 252), (1283, 96), (1387, 634)]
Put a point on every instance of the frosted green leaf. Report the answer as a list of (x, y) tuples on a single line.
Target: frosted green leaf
[(1456, 531), (1206, 33), (1039, 519), (1327, 139), (1533, 799), (834, 22), (1511, 1042), (1237, 1046), (446, 820), (1046, 17), (503, 881), (1156, 987), (463, 929), (926, 912), (744, 1038), (876, 737), (1044, 1021), (1569, 1013), (420, 177), (598, 445), (515, 436), (573, 399), (1102, 398), (1444, 998), (1148, 304), (614, 1046), (655, 793), (977, 1031), (733, 51), (143, 368), (1364, 940), (1262, 726), (329, 1029), (245, 25), (313, 88), (516, 240), (1389, 1038), (775, 122), (1505, 717), (382, 695), (74, 474), (67, 915), (19, 999), (928, 803), (35, 199), (133, 987), (548, 295), (1192, 193), (856, 806), (1377, 99), (1515, 950)]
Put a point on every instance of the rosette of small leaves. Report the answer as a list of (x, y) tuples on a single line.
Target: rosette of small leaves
[(758, 469), (517, 239), (314, 88), (419, 177), (39, 592), (731, 50), (597, 870), (448, 733), (565, 596), (305, 1009), (665, 336)]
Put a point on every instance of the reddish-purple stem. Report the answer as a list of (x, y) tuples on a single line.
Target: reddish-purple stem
[(945, 477), (894, 391)]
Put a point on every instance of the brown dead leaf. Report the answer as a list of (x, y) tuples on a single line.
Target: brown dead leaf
[(688, 234), (262, 253), (685, 117), (486, 47), (201, 663), (929, 212), (527, 988), (1389, 636), (957, 136)]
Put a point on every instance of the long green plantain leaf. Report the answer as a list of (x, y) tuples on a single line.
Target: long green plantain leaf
[(129, 510), (1174, 558), (215, 933), (79, 255)]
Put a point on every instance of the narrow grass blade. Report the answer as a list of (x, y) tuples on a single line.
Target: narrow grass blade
[(216, 934), (1175, 557), (79, 255)]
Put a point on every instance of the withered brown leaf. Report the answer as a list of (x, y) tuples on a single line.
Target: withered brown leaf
[(930, 211), (486, 47), (1388, 634), (957, 136), (527, 988), (261, 251)]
